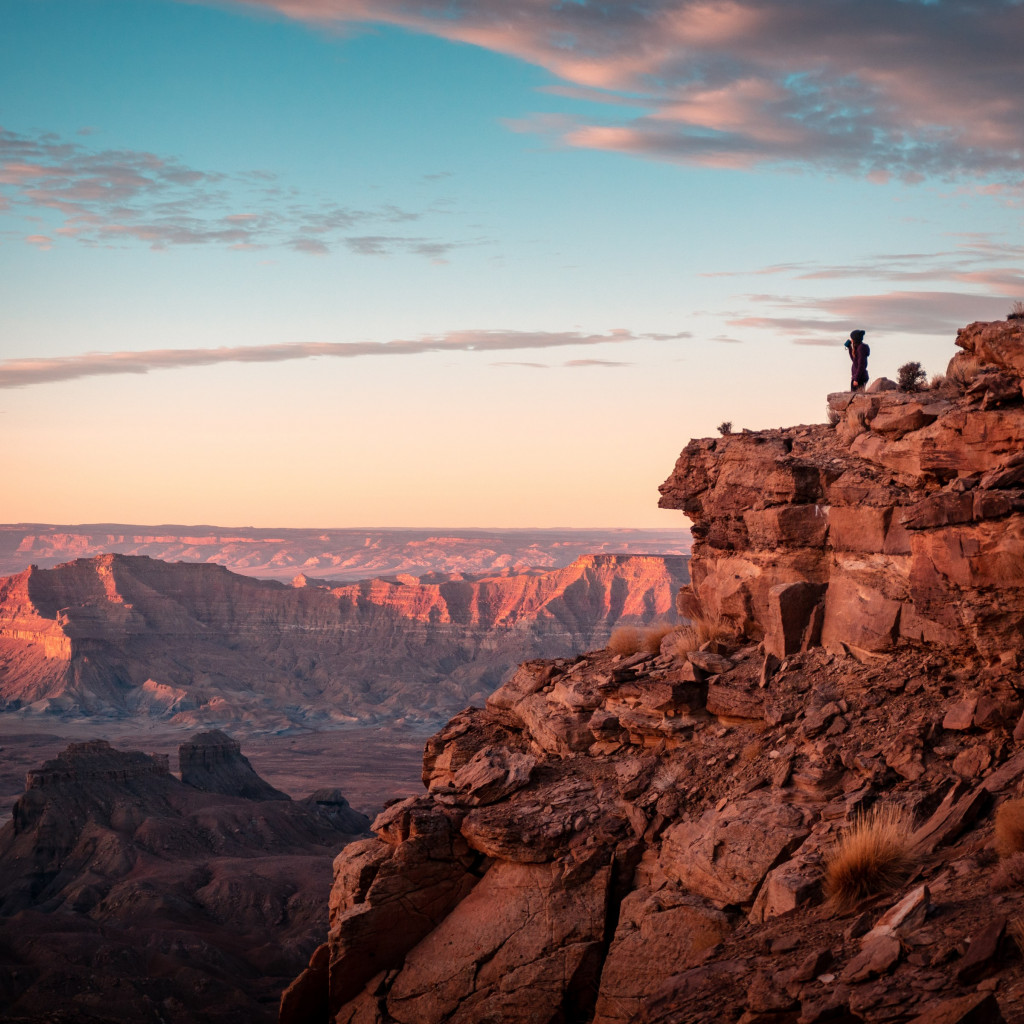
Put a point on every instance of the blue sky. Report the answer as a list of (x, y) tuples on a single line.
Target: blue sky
[(485, 264)]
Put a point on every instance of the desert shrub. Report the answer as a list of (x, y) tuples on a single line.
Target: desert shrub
[(1010, 828), (963, 371), (624, 640), (871, 856), (1016, 311), (911, 376), (725, 427), (703, 626), (938, 379), (833, 415), (628, 640)]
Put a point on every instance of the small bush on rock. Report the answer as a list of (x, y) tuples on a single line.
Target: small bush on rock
[(962, 371), (628, 640), (834, 416), (911, 376), (1010, 828), (1016, 311), (725, 427), (871, 856)]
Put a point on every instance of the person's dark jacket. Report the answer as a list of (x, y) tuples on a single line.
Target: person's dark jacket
[(859, 354)]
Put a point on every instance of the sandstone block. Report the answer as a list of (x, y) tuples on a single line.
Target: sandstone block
[(881, 384), (516, 949), (859, 615), (976, 1008), (790, 607), (960, 716), (899, 419), (666, 927), (725, 855)]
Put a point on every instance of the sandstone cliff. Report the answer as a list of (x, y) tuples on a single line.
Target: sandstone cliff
[(127, 895), (642, 838), (200, 645)]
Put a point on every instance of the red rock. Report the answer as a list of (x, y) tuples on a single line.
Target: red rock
[(517, 948), (726, 854), (960, 716), (878, 955), (666, 927), (789, 612), (978, 1008), (984, 949)]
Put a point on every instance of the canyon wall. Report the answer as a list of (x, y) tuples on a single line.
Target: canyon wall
[(199, 645), (643, 837)]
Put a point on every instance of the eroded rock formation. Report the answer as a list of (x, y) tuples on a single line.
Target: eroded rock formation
[(906, 521), (642, 838), (199, 645), (126, 894)]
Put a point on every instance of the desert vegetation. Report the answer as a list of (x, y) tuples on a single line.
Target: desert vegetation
[(1016, 311), (725, 427), (911, 376), (871, 856), (963, 371), (832, 415), (628, 640)]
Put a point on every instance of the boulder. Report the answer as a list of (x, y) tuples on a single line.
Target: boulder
[(522, 946), (725, 854)]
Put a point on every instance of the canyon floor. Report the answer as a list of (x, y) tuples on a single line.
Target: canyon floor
[(369, 765)]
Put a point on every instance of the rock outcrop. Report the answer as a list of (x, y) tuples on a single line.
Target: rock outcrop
[(201, 646), (904, 522), (617, 838), (213, 762), (126, 894)]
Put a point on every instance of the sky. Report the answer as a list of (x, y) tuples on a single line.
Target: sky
[(449, 263)]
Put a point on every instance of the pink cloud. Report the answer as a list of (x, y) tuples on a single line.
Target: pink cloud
[(15, 373), (121, 197), (871, 87)]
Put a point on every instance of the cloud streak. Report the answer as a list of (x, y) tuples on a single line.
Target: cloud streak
[(120, 197), (871, 87), (17, 373)]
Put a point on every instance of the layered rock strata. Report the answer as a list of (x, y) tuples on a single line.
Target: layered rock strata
[(619, 838), (903, 522), (198, 645)]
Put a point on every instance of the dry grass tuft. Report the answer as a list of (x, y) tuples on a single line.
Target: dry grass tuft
[(1015, 928), (1010, 828), (833, 415), (938, 379), (703, 627), (1010, 873), (962, 371), (871, 856), (1016, 311), (628, 640)]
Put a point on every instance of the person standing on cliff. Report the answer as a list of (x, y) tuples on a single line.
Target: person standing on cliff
[(859, 353)]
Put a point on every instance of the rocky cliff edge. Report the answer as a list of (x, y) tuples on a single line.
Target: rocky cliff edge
[(643, 837)]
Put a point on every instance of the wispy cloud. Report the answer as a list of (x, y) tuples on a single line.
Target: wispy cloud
[(907, 312), (118, 197), (15, 373), (869, 87)]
